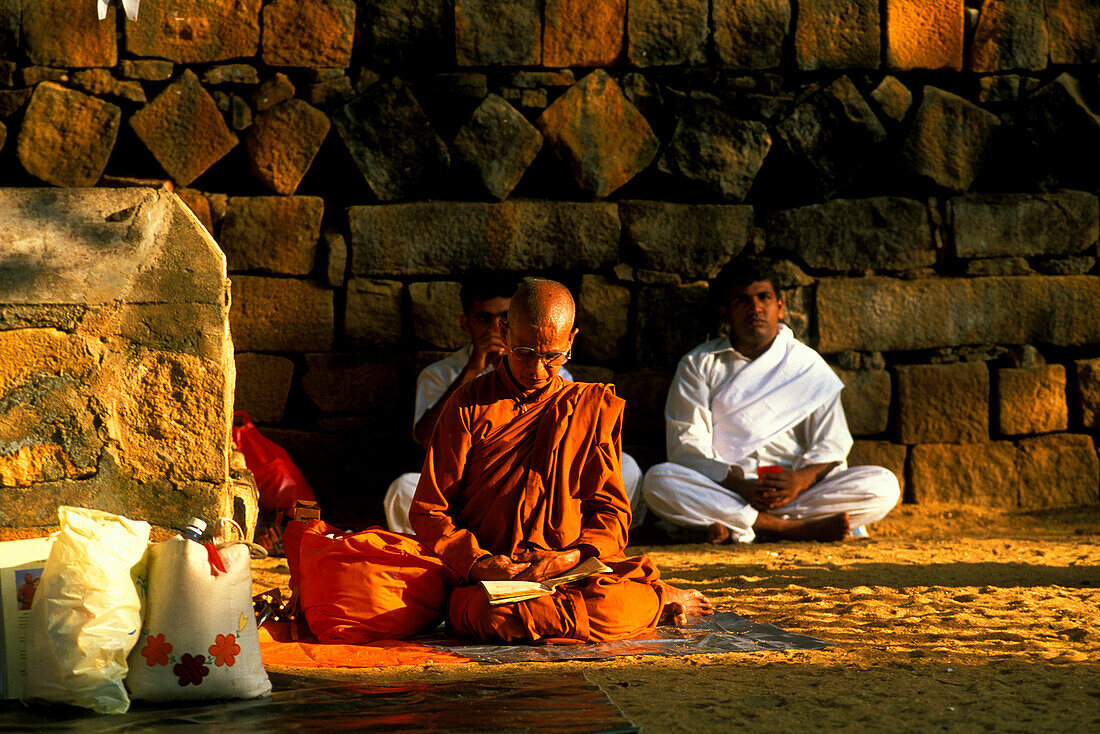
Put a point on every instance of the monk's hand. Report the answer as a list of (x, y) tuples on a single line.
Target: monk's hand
[(547, 563), (782, 487), (496, 568)]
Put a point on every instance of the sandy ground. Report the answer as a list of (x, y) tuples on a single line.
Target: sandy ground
[(957, 619)]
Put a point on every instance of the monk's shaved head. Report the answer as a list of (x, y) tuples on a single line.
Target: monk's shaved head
[(542, 303)]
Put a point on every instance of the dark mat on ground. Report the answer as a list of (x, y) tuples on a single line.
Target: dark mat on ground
[(560, 702)]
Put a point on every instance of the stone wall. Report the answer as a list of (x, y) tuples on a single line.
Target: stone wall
[(924, 173)]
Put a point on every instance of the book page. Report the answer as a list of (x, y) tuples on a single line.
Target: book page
[(503, 592)]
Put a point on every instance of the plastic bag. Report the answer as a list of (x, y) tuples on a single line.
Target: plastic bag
[(199, 639), (86, 612), (280, 481)]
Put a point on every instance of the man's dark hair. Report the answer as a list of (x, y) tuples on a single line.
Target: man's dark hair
[(485, 287), (742, 273)]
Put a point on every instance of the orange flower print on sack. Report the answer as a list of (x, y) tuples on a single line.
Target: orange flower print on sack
[(156, 650), (225, 650)]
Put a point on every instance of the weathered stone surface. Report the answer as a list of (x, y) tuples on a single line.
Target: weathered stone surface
[(603, 138), (750, 35), (32, 75), (373, 315), (694, 240), (392, 141), (837, 34), (856, 234), (196, 31), (10, 12), (943, 403), (1067, 266), (1062, 223), (231, 74), (273, 233), (67, 33), (199, 205), (442, 238), (67, 137), (581, 32), (671, 321), (716, 150), (882, 314), (273, 91), (644, 393), (998, 266), (280, 315), (1073, 28), (1057, 470), (335, 254), (240, 114), (866, 400), (998, 88), (894, 98), (667, 32), (183, 129), (1088, 391), (309, 33), (496, 146), (591, 373), (948, 140), (336, 90), (971, 474), (12, 100), (263, 384), (1064, 132), (603, 312), (1032, 400), (341, 383), (408, 33), (830, 135), (100, 82), (435, 310), (282, 143), (1010, 35), (880, 453), (535, 79), (150, 70), (924, 34), (489, 32)]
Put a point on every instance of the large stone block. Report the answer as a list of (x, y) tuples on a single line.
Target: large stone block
[(408, 33), (581, 32), (831, 135), (1088, 391), (308, 33), (603, 317), (489, 32), (1058, 470), (924, 34), (948, 140), (645, 393), (667, 32), (442, 238), (1061, 223), (671, 321), (183, 129), (970, 474), (273, 233), (750, 35), (347, 383), (282, 143), (888, 455), (885, 232), (866, 400), (392, 141), (1010, 35), (116, 372), (943, 403), (263, 384), (881, 314), (1073, 29), (436, 308), (1064, 133), (373, 315), (1032, 400), (693, 240), (67, 137), (496, 146), (281, 315), (715, 150), (837, 34), (68, 33), (600, 135), (196, 31)]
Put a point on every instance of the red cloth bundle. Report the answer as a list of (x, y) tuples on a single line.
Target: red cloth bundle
[(279, 479)]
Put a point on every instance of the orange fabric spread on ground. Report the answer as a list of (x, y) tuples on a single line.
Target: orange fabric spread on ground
[(277, 648), (507, 473)]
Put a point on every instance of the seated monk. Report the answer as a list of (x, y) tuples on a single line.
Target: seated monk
[(523, 481)]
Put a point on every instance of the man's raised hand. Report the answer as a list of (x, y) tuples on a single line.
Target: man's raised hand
[(544, 564), (496, 568), (488, 348)]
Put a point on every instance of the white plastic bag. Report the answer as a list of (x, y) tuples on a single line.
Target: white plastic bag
[(86, 612)]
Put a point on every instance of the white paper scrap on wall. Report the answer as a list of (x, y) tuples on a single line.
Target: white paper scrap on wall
[(130, 6)]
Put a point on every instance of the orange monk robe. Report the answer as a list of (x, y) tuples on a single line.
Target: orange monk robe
[(506, 474)]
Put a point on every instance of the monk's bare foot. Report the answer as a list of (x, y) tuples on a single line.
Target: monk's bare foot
[(718, 534), (683, 603), (834, 527)]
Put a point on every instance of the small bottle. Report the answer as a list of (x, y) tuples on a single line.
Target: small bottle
[(195, 529)]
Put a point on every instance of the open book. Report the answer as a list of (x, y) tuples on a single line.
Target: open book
[(506, 592)]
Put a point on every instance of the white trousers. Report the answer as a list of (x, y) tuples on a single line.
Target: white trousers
[(683, 496), (400, 494)]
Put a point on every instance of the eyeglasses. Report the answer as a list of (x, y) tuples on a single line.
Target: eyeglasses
[(549, 360)]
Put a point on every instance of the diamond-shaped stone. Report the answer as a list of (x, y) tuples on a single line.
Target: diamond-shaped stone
[(282, 143), (496, 146), (67, 136)]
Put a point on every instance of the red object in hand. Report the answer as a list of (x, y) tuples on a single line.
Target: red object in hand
[(279, 479), (763, 471)]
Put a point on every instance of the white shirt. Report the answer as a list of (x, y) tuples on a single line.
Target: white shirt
[(821, 438)]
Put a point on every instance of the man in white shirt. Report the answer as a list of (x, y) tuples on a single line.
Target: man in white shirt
[(485, 301), (756, 436)]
